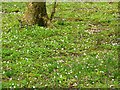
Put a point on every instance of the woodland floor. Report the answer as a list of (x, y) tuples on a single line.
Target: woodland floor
[(79, 50)]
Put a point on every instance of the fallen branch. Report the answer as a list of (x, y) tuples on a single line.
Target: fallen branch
[(53, 10)]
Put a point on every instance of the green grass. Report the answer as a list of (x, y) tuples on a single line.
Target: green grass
[(80, 50)]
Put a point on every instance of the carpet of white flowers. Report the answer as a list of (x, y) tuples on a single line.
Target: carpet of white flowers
[(79, 50)]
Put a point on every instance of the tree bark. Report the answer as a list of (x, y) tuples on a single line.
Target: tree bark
[(36, 13)]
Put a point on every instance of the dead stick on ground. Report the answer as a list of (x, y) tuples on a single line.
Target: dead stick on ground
[(53, 10)]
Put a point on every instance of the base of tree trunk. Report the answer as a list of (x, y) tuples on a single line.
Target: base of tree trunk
[(36, 14)]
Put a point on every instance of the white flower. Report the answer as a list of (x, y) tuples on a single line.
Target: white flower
[(12, 83), (18, 85), (60, 76), (87, 84), (75, 84), (111, 86), (10, 79), (33, 86)]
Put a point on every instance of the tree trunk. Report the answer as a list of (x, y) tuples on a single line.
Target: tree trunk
[(36, 13)]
